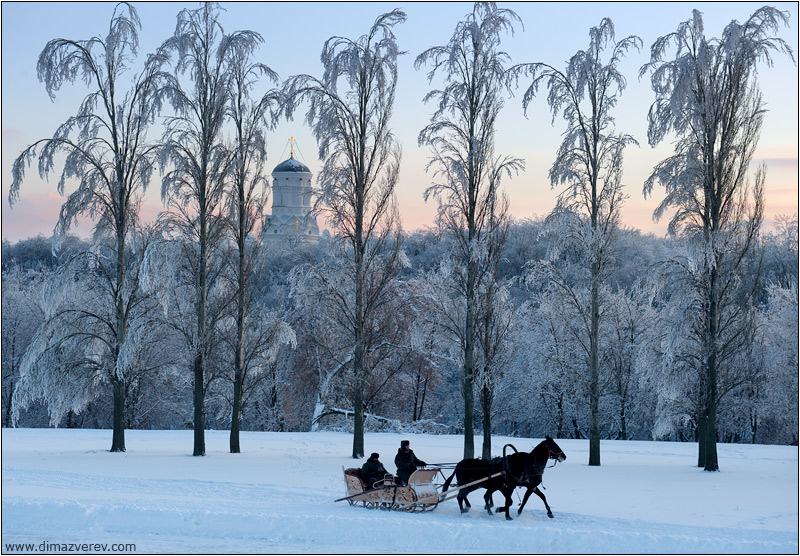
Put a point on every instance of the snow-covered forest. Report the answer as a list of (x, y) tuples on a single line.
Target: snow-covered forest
[(539, 388), (570, 324)]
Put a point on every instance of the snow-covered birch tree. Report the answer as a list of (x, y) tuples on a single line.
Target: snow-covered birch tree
[(72, 357), (198, 162), (589, 164), (106, 151), (461, 135), (350, 110), (707, 95), (245, 206)]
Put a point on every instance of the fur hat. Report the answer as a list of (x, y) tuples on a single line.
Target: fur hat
[(404, 443), (374, 455)]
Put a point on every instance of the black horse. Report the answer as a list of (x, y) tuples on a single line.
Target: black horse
[(518, 469)]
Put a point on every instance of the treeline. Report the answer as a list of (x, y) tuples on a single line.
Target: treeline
[(539, 388), (570, 325)]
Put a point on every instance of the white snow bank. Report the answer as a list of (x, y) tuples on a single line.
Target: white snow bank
[(62, 486)]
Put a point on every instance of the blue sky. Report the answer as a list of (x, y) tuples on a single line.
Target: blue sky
[(294, 34)]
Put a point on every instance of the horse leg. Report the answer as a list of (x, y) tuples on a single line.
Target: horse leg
[(500, 508), (507, 493), (462, 501), (525, 499), (489, 502), (541, 495)]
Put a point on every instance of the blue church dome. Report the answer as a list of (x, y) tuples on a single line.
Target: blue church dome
[(291, 165)]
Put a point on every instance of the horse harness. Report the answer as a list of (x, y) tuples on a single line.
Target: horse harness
[(507, 473)]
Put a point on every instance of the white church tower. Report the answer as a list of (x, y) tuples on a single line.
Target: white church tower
[(291, 216)]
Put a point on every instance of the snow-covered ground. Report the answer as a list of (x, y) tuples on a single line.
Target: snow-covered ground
[(63, 486)]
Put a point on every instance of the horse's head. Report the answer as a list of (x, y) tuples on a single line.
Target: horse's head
[(554, 450), (546, 450)]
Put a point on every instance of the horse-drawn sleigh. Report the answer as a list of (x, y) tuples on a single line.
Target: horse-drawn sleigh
[(504, 473)]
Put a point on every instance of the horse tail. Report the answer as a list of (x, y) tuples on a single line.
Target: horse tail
[(446, 484)]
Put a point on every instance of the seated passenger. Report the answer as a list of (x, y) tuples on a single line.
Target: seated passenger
[(372, 471)]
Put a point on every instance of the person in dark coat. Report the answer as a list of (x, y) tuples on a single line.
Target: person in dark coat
[(373, 470), (406, 462)]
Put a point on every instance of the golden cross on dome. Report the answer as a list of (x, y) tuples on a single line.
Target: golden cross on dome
[(292, 141)]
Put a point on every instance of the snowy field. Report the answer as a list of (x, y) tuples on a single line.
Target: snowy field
[(63, 486)]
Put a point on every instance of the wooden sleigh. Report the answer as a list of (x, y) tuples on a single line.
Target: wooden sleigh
[(419, 495)]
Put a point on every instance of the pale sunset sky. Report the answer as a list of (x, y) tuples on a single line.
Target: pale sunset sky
[(294, 34)]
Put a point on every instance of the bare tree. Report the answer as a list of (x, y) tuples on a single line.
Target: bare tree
[(194, 187), (708, 96), (362, 161), (461, 135), (589, 163), (245, 204), (106, 151)]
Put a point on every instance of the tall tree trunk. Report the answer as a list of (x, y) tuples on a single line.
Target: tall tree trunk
[(238, 379), (358, 423), (199, 412), (273, 399), (358, 350), (469, 344), (469, 393), (594, 339), (199, 357), (118, 436), (594, 377), (701, 440), (711, 462), (486, 402), (236, 416), (358, 398), (118, 382)]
